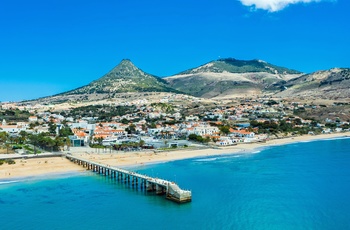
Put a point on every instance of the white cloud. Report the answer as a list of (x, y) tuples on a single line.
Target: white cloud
[(273, 5)]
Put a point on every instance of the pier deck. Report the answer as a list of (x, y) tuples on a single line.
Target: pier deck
[(173, 191)]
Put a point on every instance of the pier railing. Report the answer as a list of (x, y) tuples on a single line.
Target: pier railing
[(150, 184)]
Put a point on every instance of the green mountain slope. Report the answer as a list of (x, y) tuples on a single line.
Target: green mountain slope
[(229, 76), (125, 77), (232, 65)]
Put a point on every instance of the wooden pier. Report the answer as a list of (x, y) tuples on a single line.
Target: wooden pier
[(136, 180)]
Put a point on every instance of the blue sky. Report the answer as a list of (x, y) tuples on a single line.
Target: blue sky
[(47, 47)]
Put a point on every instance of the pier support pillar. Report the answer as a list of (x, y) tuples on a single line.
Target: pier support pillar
[(149, 187), (159, 190), (132, 181)]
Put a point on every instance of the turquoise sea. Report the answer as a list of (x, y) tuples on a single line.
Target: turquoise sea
[(294, 186)]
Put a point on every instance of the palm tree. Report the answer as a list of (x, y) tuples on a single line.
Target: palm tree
[(14, 139), (7, 147), (67, 142), (141, 143), (50, 144), (98, 140), (58, 143), (34, 140), (3, 140), (167, 134), (22, 136), (3, 137)]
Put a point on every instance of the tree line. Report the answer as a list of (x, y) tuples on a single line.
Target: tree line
[(47, 141)]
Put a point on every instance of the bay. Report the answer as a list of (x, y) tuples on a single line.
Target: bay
[(294, 186)]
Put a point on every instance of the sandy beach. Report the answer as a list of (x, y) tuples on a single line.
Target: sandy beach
[(57, 165)]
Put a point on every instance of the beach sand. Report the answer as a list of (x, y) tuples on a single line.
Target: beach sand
[(43, 166), (38, 167)]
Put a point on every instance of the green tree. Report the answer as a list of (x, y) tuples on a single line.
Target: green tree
[(141, 143), (98, 140), (3, 137), (331, 125), (59, 143), (49, 144), (22, 136), (32, 126), (131, 129), (192, 137), (224, 129), (52, 127), (66, 131), (297, 121), (67, 143), (34, 140), (254, 123), (284, 126), (199, 138), (206, 140), (124, 121)]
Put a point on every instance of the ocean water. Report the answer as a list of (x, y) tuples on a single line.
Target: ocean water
[(295, 186)]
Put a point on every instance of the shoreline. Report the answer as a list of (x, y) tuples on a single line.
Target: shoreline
[(39, 168), (46, 176)]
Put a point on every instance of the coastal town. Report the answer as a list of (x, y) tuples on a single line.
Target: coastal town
[(169, 123), (175, 115)]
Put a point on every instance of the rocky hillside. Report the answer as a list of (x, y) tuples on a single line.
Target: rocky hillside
[(329, 84), (231, 77), (125, 77), (224, 78), (122, 79)]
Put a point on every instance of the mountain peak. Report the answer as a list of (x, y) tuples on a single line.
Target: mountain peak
[(241, 66), (126, 62), (230, 76), (125, 67), (125, 77), (233, 65)]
